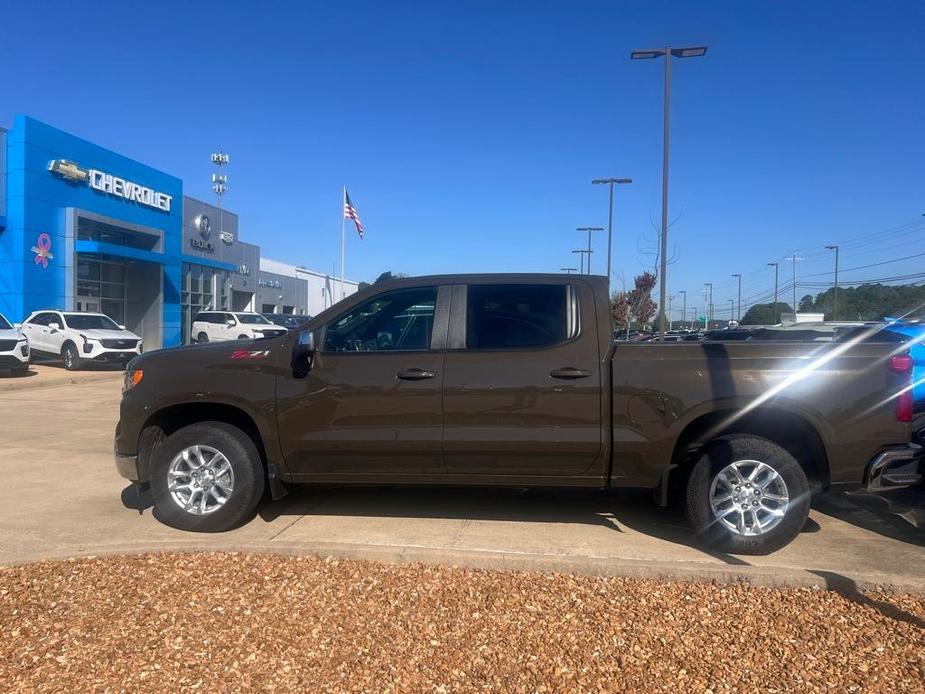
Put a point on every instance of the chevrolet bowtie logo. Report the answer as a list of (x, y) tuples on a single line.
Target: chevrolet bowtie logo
[(68, 170)]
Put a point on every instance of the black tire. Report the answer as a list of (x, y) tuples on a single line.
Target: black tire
[(245, 462), (71, 357), (742, 447), (243, 337), (202, 338)]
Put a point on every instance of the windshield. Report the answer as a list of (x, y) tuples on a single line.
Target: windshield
[(89, 322), (4, 324), (252, 319)]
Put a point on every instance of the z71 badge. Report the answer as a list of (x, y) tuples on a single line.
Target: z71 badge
[(250, 354)]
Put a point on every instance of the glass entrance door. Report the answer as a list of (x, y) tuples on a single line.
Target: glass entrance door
[(101, 287)]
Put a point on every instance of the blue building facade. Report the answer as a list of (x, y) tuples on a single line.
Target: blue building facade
[(83, 228)]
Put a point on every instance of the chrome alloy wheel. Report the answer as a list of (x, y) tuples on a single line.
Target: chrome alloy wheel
[(200, 480), (749, 497)]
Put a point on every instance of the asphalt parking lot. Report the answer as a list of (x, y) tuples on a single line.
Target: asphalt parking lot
[(62, 498)]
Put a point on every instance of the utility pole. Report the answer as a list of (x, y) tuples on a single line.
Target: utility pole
[(668, 52), (738, 276), (732, 308), (670, 299), (776, 269), (684, 308), (835, 309), (708, 303), (611, 182), (794, 258), (589, 230)]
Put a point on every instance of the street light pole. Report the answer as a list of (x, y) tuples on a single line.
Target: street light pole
[(589, 230), (670, 299), (668, 52), (610, 182), (732, 308), (738, 276), (581, 259), (794, 258), (708, 301), (684, 308), (835, 309), (774, 310)]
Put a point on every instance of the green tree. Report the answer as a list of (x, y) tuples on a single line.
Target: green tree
[(807, 305), (764, 314)]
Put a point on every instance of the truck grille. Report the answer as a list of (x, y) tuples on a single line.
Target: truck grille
[(119, 344), (272, 333), (7, 345)]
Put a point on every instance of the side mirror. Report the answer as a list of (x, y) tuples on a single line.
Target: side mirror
[(303, 354), (17, 326), (230, 323), (122, 327), (54, 326)]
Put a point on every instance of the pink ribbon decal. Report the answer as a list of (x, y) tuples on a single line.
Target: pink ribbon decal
[(43, 250)]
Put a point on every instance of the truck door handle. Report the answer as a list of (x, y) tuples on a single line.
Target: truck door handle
[(415, 374), (569, 372)]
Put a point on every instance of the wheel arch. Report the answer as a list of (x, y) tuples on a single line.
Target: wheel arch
[(790, 430), (170, 418)]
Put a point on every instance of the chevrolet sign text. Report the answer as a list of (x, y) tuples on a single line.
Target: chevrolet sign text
[(107, 183)]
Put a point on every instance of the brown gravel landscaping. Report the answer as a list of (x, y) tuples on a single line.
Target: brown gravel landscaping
[(231, 622)]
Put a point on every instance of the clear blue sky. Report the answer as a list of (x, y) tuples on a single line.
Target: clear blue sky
[(468, 132)]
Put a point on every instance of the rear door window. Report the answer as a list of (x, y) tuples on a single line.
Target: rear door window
[(520, 316)]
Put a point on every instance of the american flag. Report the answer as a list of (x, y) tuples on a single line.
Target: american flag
[(350, 212)]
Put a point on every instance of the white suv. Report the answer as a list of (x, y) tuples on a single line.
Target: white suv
[(14, 348), (218, 326), (80, 337)]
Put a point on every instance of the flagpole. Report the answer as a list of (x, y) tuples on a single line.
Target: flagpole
[(343, 236)]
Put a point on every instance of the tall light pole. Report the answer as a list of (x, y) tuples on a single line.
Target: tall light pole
[(668, 52), (835, 309), (684, 309), (693, 316), (738, 276), (732, 308), (220, 185), (611, 182), (794, 258), (568, 270), (670, 299), (776, 269), (581, 259), (589, 230), (708, 304)]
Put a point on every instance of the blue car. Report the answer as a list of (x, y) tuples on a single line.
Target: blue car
[(914, 331)]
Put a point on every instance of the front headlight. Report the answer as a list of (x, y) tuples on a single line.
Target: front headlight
[(87, 346), (131, 379)]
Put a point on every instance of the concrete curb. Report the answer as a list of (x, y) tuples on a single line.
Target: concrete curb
[(762, 576)]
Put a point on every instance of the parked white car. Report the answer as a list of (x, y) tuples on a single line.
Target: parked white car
[(14, 348), (218, 326), (80, 337)]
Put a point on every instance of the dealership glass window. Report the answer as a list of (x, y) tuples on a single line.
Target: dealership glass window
[(202, 288), (94, 230), (101, 286)]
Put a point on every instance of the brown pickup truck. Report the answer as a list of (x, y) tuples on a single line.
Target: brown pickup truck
[(515, 380)]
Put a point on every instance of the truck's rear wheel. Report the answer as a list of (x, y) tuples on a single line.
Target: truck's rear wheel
[(206, 477), (202, 338), (747, 495)]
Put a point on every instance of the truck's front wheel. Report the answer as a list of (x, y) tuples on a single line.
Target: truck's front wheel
[(747, 495), (206, 477)]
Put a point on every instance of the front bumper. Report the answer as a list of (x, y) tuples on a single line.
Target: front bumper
[(895, 467), (13, 360)]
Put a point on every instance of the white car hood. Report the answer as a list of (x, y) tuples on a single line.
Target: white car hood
[(11, 335), (109, 334)]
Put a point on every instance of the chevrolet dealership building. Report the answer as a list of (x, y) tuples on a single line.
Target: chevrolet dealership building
[(85, 229)]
